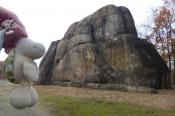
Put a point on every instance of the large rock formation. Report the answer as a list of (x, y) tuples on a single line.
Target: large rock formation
[(104, 48)]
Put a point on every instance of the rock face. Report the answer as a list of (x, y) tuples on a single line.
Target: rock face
[(46, 65), (104, 48)]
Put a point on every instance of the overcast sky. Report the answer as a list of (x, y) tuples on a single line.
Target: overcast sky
[(48, 20)]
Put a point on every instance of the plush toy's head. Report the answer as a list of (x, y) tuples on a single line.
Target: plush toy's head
[(29, 48), (25, 48)]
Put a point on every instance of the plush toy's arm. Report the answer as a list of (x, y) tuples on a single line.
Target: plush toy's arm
[(31, 72)]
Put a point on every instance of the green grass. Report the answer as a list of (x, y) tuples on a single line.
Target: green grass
[(68, 106)]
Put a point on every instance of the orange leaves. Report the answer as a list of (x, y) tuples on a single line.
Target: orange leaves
[(163, 18), (162, 34)]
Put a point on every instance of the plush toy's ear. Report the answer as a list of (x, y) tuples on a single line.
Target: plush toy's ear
[(8, 70), (31, 72)]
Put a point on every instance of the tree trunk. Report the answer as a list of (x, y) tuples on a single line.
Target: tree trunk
[(169, 62)]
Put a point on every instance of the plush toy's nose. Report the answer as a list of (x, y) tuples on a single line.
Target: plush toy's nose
[(40, 50)]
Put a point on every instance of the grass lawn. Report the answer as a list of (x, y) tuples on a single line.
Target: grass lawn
[(77, 106)]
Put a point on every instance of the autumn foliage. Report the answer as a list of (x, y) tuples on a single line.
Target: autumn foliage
[(162, 32)]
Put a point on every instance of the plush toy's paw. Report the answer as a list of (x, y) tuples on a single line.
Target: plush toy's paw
[(31, 72), (23, 97)]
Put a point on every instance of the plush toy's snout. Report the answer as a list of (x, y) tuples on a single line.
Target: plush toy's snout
[(30, 48)]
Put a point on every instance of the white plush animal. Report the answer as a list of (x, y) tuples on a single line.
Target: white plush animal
[(22, 69)]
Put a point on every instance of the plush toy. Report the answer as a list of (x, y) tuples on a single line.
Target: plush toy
[(20, 68)]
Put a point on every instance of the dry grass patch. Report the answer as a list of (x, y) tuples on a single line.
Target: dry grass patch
[(164, 100)]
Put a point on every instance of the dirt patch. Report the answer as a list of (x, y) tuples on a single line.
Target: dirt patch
[(165, 99)]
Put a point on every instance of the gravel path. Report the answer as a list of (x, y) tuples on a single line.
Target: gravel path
[(7, 110)]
